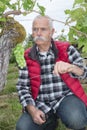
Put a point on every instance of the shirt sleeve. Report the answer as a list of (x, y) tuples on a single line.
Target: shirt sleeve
[(23, 88), (76, 59)]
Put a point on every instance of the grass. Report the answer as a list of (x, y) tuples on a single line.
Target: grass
[(11, 80), (9, 112), (10, 108)]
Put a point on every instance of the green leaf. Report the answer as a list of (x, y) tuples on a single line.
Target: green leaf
[(42, 9), (2, 19), (19, 55), (85, 22), (28, 4), (78, 2), (85, 48), (67, 11), (2, 7)]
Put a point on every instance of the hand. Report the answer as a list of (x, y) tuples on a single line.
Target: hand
[(62, 67), (37, 115)]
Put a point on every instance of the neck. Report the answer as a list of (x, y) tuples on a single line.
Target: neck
[(44, 48)]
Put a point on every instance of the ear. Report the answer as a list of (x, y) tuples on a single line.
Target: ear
[(32, 34), (52, 31)]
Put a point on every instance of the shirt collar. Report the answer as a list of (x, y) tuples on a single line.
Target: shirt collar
[(49, 52)]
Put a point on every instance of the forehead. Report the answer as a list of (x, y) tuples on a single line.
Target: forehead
[(41, 22)]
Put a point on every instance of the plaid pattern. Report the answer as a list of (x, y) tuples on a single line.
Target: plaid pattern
[(52, 89)]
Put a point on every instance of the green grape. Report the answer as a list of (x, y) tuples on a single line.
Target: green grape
[(19, 55)]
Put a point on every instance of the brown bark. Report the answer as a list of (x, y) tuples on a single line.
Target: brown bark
[(12, 34), (5, 51)]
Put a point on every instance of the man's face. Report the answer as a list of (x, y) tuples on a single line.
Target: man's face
[(41, 31)]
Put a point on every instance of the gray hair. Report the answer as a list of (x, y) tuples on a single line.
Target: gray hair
[(47, 17)]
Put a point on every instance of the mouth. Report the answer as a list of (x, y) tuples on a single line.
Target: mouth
[(40, 39)]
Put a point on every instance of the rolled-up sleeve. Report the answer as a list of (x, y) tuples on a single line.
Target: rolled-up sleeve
[(76, 59), (24, 89)]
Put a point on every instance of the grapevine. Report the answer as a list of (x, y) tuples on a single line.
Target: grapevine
[(19, 51), (19, 55)]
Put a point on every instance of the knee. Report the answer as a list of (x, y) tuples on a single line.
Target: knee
[(22, 126), (19, 126), (75, 121), (24, 122)]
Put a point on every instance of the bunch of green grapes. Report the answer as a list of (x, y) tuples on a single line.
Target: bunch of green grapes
[(19, 55)]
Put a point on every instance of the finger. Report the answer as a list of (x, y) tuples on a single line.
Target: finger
[(43, 117), (63, 68), (42, 120), (39, 121), (60, 67), (55, 71)]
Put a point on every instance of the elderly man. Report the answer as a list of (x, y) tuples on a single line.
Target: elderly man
[(48, 86)]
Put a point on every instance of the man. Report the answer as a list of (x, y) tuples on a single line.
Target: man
[(48, 86)]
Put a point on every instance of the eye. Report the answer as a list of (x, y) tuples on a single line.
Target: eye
[(43, 29), (35, 29), (39, 29)]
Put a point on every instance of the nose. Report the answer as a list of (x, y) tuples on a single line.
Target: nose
[(39, 32)]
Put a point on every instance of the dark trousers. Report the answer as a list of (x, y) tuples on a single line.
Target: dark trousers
[(71, 111)]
